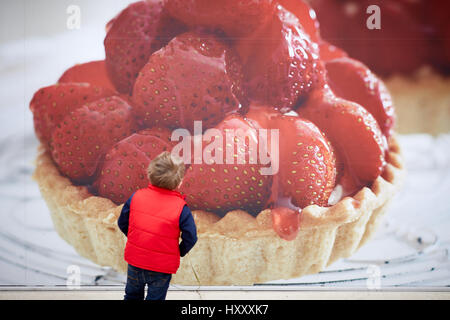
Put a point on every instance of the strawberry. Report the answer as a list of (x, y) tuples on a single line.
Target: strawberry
[(195, 77), (346, 179), (400, 45), (124, 169), (230, 179), (438, 24), (279, 61), (93, 72), (330, 52), (51, 104), (305, 14), (132, 36), (352, 80), (235, 17), (353, 132), (307, 162), (85, 134), (261, 116), (446, 59)]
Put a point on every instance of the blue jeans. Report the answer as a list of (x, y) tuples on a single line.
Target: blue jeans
[(157, 284)]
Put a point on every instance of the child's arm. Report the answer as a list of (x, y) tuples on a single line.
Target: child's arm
[(125, 216), (188, 231)]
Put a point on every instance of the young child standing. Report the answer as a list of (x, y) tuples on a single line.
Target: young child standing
[(152, 219)]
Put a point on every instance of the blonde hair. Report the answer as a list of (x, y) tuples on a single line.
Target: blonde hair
[(166, 171)]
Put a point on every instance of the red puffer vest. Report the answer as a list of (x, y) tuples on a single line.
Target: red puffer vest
[(154, 229)]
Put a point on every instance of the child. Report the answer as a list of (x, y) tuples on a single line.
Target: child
[(153, 219)]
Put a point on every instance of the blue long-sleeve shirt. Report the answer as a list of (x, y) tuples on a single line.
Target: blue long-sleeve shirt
[(187, 226)]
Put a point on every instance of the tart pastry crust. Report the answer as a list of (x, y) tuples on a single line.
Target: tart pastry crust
[(422, 101), (237, 249)]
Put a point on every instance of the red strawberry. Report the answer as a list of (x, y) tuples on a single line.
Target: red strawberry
[(446, 58), (230, 179), (350, 185), (279, 61), (353, 132), (93, 72), (352, 80), (438, 25), (138, 31), (195, 77), (124, 169), (400, 45), (330, 52), (85, 134), (305, 14), (261, 116), (235, 17), (51, 104), (307, 163)]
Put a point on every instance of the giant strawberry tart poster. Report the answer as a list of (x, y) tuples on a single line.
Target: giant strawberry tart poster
[(313, 138)]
